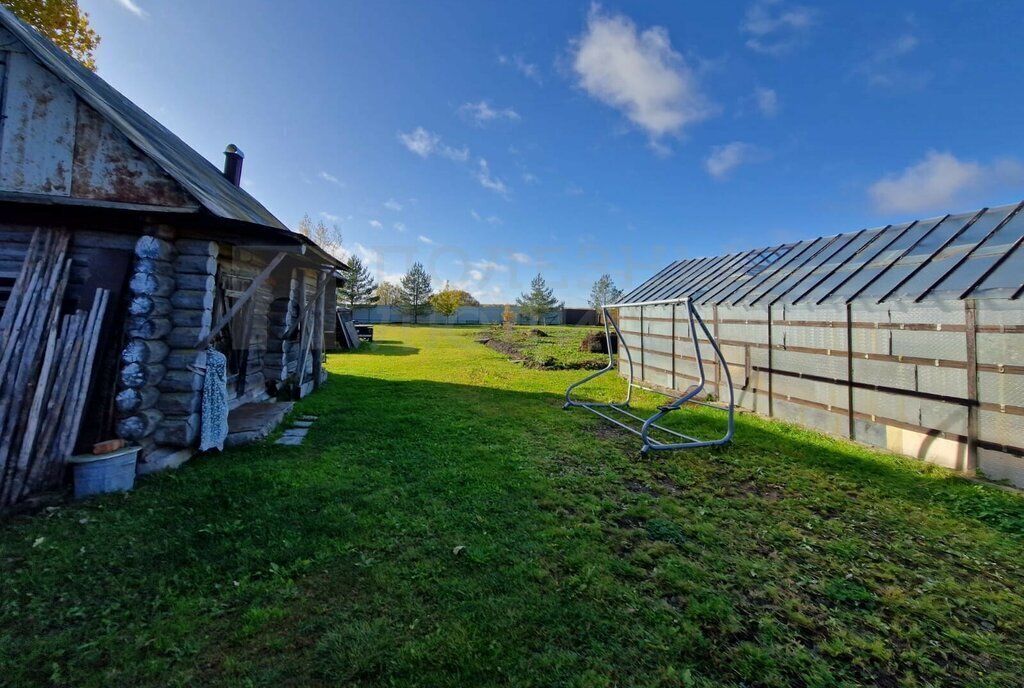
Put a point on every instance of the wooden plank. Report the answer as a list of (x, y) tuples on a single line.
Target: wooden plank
[(971, 327), (242, 300)]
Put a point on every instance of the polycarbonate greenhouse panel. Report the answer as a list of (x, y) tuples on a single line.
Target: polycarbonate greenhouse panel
[(950, 260), (968, 254)]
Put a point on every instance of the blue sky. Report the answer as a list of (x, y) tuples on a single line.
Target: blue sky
[(494, 140)]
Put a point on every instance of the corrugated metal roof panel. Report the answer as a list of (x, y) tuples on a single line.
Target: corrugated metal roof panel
[(190, 169), (955, 256)]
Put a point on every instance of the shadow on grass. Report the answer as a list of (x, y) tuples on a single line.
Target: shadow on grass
[(387, 348), (757, 443)]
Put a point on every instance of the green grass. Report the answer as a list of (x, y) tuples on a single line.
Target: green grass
[(448, 524), (559, 350)]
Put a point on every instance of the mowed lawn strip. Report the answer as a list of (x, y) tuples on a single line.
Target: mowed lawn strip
[(446, 523)]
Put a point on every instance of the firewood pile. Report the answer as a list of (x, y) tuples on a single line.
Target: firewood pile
[(46, 362)]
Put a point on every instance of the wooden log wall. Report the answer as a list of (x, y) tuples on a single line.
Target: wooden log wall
[(144, 356), (280, 359), (250, 329), (191, 313)]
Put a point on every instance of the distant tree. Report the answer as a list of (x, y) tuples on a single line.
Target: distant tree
[(359, 285), (539, 302), (388, 294), (62, 22), (447, 301), (466, 299), (327, 238), (416, 291), (604, 291)]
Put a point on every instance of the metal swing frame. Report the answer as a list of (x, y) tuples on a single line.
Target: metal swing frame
[(651, 422)]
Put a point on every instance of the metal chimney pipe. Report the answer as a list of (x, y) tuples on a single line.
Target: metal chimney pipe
[(233, 158)]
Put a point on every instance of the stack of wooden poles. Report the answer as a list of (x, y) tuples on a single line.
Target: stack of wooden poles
[(46, 362)]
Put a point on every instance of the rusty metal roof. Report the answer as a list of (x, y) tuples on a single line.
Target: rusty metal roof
[(969, 255), (196, 174)]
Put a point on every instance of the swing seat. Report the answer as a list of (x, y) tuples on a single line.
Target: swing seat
[(650, 423)]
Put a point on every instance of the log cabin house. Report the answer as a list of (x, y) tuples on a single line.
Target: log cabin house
[(188, 259)]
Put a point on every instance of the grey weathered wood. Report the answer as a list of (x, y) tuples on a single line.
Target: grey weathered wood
[(145, 351), (197, 247), (196, 319), (195, 265), (148, 328), (194, 300), (242, 300), (152, 285), (181, 359), (181, 381), (139, 425), (151, 266), (179, 403), (971, 328), (135, 399), (178, 432), (142, 374), (154, 247), (195, 282), (185, 337), (145, 305)]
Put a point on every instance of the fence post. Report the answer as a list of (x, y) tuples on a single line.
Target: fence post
[(643, 372), (673, 346), (971, 328), (849, 371), (771, 367), (718, 361)]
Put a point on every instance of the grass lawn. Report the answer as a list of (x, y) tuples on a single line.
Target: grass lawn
[(447, 524)]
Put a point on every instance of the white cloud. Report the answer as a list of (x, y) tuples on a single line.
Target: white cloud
[(392, 204), (476, 275), (424, 144), (767, 101), (573, 190), (330, 178), (724, 159), (939, 181), (530, 178), (427, 240), (488, 265), (521, 258), (376, 224), (519, 63), (775, 28), (400, 226), (490, 219), (368, 255), (482, 112), (329, 217), (884, 68), (132, 7), (638, 73), (488, 181)]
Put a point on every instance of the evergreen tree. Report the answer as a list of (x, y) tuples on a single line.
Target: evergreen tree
[(539, 302), (603, 292), (416, 291), (359, 285)]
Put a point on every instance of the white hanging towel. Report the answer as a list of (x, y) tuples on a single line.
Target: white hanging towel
[(214, 420)]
